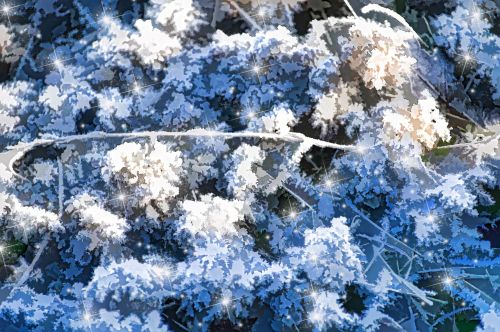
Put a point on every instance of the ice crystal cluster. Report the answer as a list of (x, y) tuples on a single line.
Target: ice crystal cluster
[(249, 165)]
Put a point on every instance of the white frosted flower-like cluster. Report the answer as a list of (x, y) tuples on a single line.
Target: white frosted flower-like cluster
[(150, 172)]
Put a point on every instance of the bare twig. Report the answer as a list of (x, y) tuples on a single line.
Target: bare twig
[(297, 196), (448, 315), (60, 186), (245, 15), (28, 271), (348, 4), (215, 13), (46, 238), (444, 100), (364, 217), (177, 323)]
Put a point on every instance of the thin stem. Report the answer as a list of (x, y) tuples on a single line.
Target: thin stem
[(463, 145), (28, 271), (348, 4), (245, 15), (60, 187), (215, 13), (445, 100)]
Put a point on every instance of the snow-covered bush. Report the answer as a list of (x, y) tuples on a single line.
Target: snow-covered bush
[(240, 165)]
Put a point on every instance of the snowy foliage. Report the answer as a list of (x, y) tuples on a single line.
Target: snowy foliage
[(466, 35), (378, 54), (212, 216), (149, 174), (99, 224), (241, 165)]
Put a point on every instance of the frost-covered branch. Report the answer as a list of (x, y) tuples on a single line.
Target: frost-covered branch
[(469, 144), (95, 135)]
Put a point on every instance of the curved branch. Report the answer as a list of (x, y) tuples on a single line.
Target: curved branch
[(379, 9), (292, 137)]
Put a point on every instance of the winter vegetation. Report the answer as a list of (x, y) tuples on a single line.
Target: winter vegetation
[(249, 165)]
